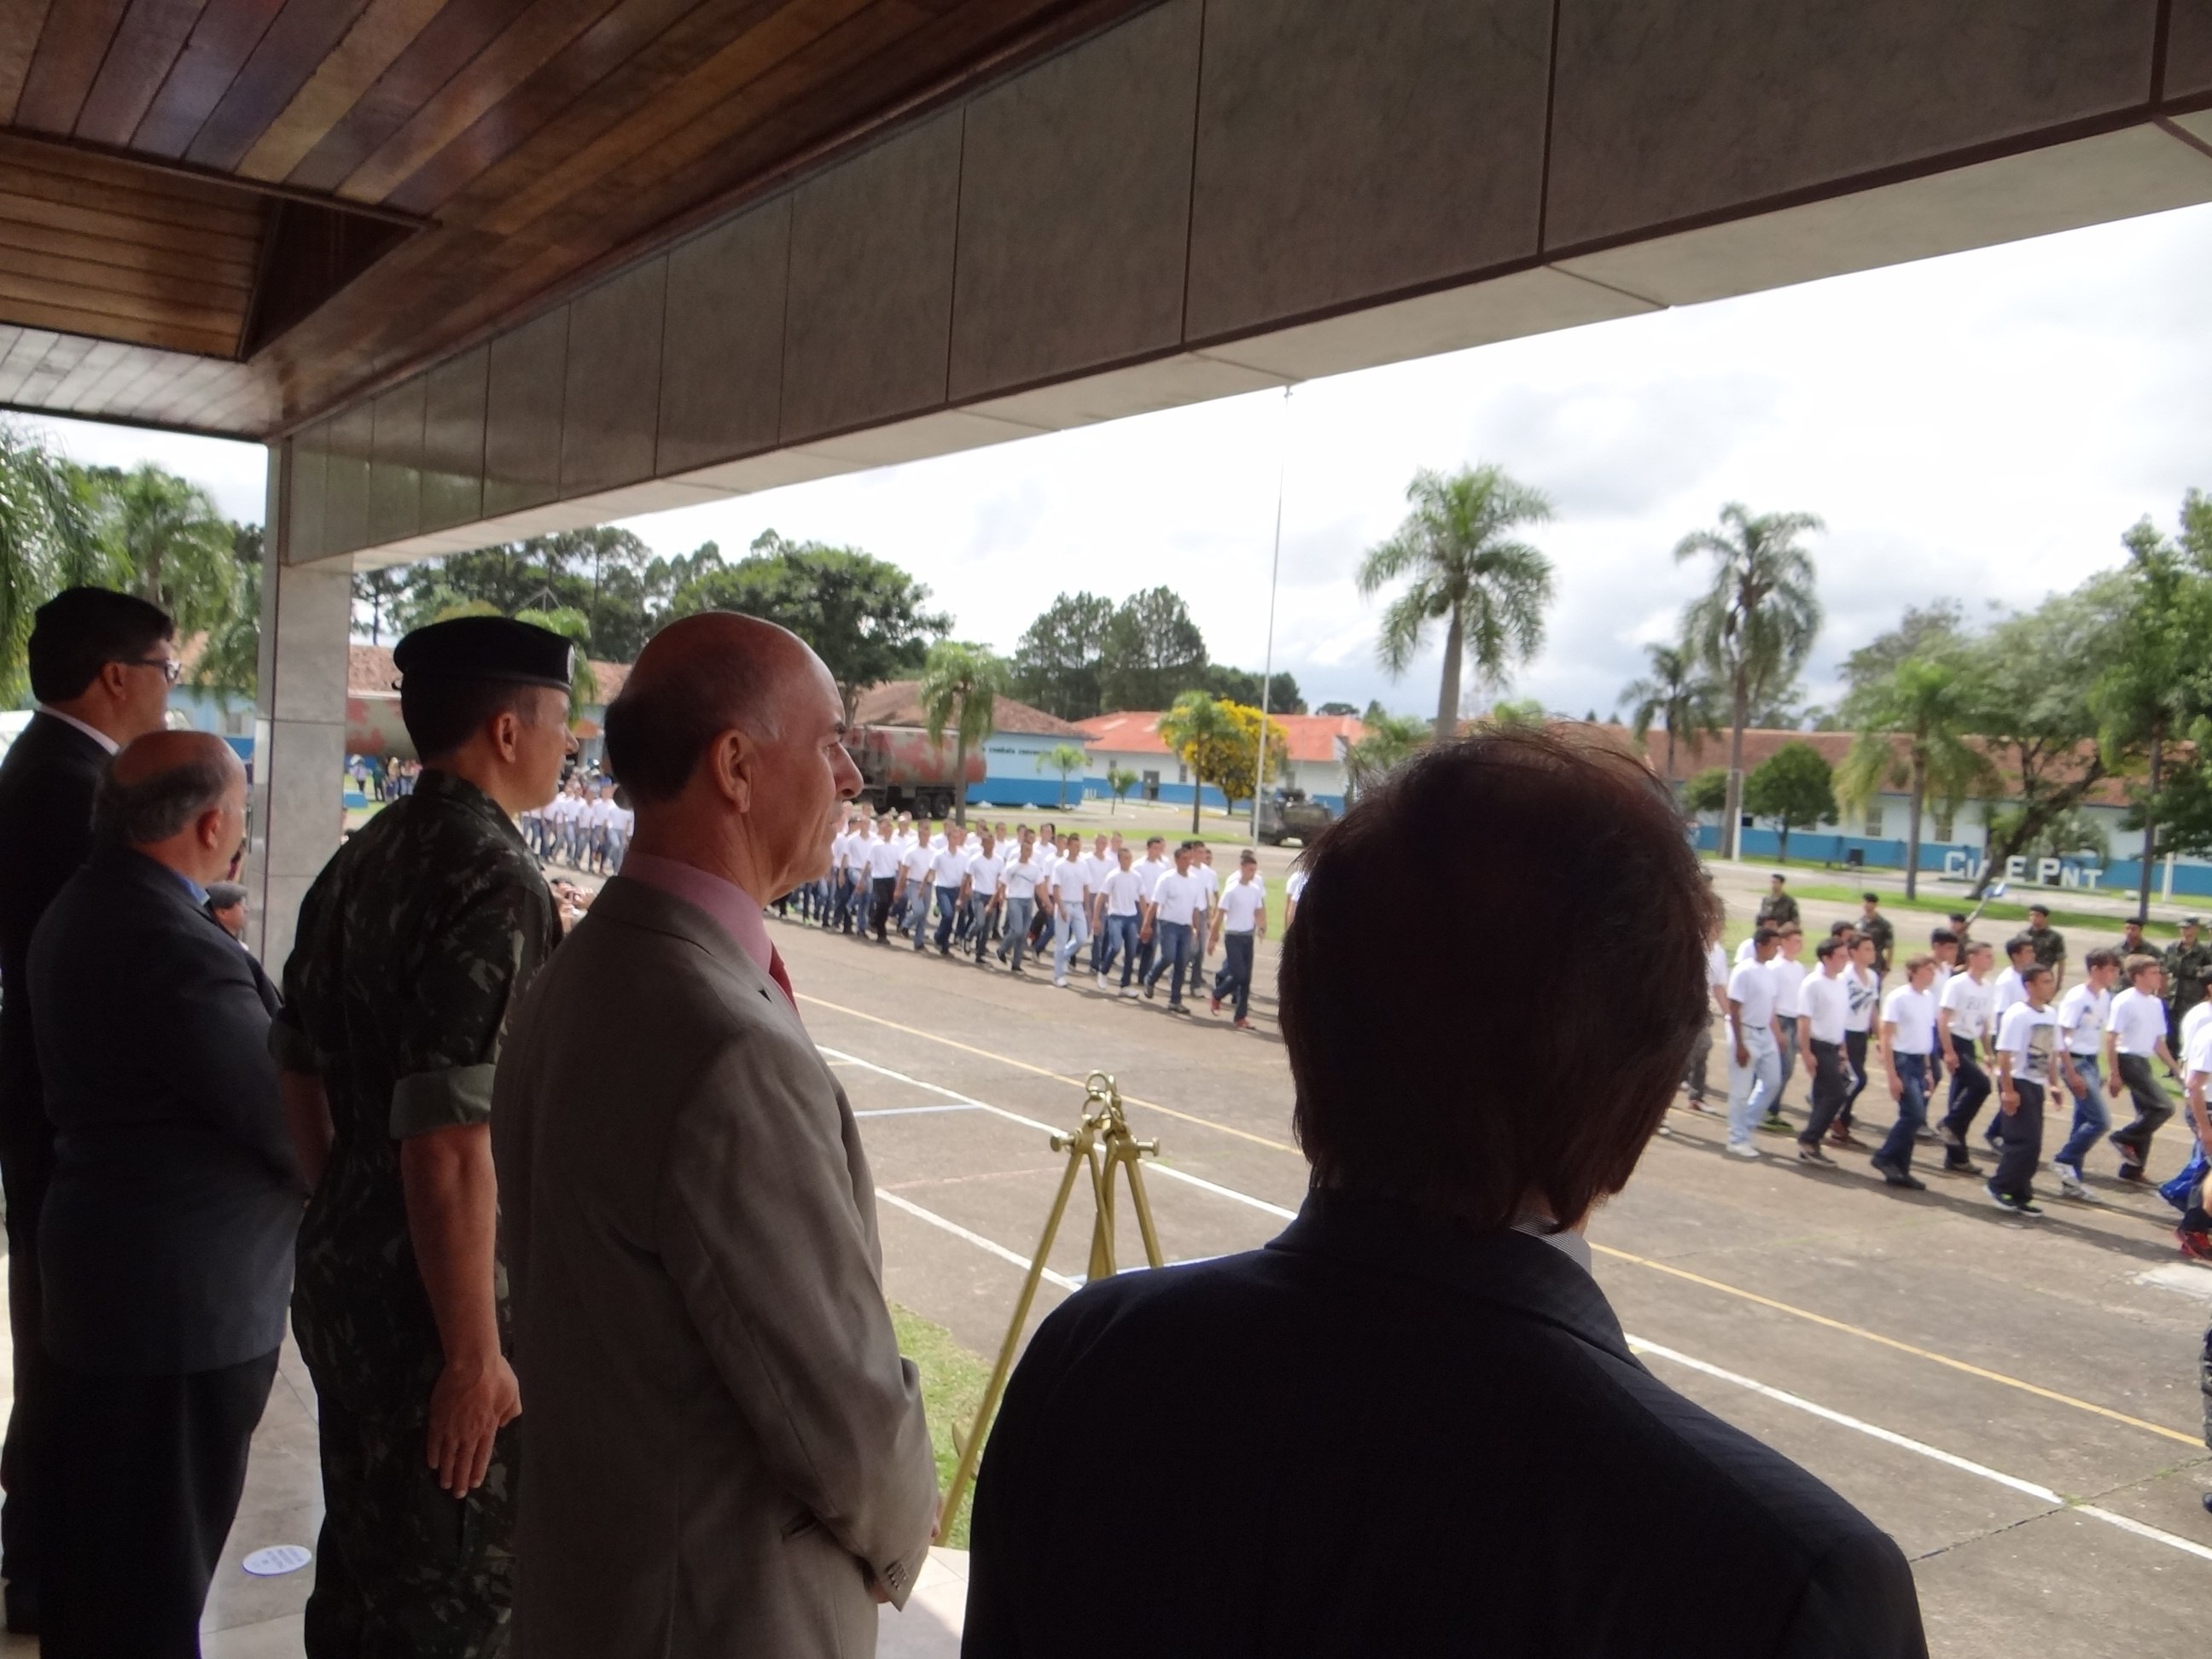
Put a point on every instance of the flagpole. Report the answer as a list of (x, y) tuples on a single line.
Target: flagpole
[(1274, 574)]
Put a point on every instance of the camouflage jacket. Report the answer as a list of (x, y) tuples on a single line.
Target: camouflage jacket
[(1877, 928), (2188, 971), (1777, 909), (2050, 945), (414, 944)]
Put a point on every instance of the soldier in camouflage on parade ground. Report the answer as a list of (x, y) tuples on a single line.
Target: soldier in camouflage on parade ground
[(2188, 963), (2049, 943), (413, 944)]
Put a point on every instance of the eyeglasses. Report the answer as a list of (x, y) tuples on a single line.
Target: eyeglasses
[(173, 668)]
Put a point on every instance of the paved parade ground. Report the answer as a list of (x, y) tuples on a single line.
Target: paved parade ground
[(2017, 1402)]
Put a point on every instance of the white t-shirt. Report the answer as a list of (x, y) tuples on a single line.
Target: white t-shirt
[(1072, 879), (1716, 965), (1243, 903), (1752, 986), (1294, 887), (2081, 1013), (1098, 866), (1745, 951), (1124, 889), (1151, 870), (625, 821), (883, 859), (1023, 876), (1825, 1001), (1969, 1003), (916, 860), (1865, 991), (1913, 1013), (2193, 1024), (2005, 991), (1788, 981), (946, 865), (2138, 1022), (2196, 1046), (2029, 1035), (1177, 897), (937, 840), (1208, 880), (983, 871)]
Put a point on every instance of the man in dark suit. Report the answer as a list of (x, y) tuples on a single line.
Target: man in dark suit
[(1411, 1425), (100, 667), (166, 1244)]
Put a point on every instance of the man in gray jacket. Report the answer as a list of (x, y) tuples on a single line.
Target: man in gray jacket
[(727, 1454)]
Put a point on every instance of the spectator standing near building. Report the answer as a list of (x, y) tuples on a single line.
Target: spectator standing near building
[(101, 667), (414, 944), (165, 1243), (1239, 922)]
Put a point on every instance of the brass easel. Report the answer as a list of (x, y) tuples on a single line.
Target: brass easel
[(1102, 1143)]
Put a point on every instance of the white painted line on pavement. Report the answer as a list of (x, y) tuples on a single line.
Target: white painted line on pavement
[(1920, 1448), (976, 1239), (916, 1111), (970, 1102)]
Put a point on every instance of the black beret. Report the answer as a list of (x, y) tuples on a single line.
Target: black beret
[(487, 648), (222, 895)]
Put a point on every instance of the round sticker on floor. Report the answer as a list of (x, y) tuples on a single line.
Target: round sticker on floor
[(278, 1560)]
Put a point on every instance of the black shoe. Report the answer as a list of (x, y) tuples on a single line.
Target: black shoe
[(2020, 1206), (1893, 1177), (1808, 1151), (1956, 1162), (1925, 1135)]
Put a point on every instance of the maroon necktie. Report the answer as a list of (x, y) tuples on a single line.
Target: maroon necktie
[(776, 972)]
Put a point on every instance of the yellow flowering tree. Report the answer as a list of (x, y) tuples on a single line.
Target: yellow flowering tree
[(1219, 742)]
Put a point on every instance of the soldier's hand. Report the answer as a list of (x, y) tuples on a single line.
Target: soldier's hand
[(469, 1404)]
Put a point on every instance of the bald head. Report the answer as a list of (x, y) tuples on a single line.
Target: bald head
[(695, 680), (178, 797)]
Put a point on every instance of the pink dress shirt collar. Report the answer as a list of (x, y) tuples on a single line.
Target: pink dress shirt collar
[(735, 910)]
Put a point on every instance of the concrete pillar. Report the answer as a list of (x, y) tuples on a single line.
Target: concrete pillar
[(299, 736)]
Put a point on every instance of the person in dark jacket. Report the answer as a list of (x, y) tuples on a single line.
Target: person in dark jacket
[(101, 667), (1412, 1424), (166, 1244)]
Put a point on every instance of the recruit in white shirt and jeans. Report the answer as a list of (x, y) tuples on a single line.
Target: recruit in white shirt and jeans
[(1754, 1066), (1073, 885), (1175, 902)]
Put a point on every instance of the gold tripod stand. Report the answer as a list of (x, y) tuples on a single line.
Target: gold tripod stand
[(1102, 1143)]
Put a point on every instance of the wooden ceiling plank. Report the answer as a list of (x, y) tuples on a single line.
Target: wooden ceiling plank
[(128, 309), (75, 40), (783, 30), (20, 25), (93, 180), (220, 42), (93, 222), (384, 30), (568, 83), (532, 40), (461, 30), (119, 280), (146, 46), (304, 33), (138, 254)]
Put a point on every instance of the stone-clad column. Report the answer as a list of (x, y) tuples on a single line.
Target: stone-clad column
[(299, 737)]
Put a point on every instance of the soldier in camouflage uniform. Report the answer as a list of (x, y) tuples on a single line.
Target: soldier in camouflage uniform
[(1875, 926), (2050, 945), (1777, 908), (2188, 971), (413, 944)]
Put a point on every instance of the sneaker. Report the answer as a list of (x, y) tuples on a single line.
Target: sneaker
[(1177, 1008), (2020, 1206), (1925, 1135), (1216, 1005), (1152, 991), (1742, 1149), (1244, 1024), (1060, 981), (1893, 1177), (2130, 1169), (2070, 1184), (2197, 1246), (1101, 980), (1808, 1151), (1951, 1137), (1841, 1136), (1775, 1124), (1128, 990)]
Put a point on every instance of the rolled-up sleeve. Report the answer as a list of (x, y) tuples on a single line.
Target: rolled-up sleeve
[(451, 1025)]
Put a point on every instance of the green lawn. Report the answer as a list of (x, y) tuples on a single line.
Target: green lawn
[(2095, 926), (952, 1383)]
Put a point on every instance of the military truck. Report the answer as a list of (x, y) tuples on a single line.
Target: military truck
[(1287, 815), (902, 769)]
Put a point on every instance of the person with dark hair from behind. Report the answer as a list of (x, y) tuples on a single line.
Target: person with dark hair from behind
[(413, 945), (101, 665), (226, 902), (1411, 1424), (166, 1244)]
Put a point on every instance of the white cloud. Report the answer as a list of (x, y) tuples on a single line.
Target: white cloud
[(1981, 426)]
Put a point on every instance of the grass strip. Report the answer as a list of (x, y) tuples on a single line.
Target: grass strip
[(952, 1383)]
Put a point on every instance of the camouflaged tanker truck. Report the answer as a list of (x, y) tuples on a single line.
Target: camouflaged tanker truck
[(902, 770)]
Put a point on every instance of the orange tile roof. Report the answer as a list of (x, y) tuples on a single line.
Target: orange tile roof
[(1306, 737), (898, 703)]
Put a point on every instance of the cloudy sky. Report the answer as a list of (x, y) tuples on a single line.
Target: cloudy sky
[(1983, 425)]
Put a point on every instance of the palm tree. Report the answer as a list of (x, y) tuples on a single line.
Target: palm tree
[(569, 623), (1467, 568), (1674, 694), (1385, 741), (1755, 625), (1063, 758), (1926, 702), (49, 540), (1194, 721), (961, 685), (181, 551)]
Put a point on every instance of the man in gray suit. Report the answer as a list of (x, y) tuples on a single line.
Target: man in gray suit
[(727, 1452)]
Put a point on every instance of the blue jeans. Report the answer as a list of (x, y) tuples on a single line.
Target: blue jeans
[(2091, 1119), (1912, 1113), (948, 909), (1173, 938), (1018, 912), (1118, 938), (1074, 934), (1969, 1087), (1753, 1088), (1236, 971), (917, 913)]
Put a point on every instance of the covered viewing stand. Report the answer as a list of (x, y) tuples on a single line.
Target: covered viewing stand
[(475, 272)]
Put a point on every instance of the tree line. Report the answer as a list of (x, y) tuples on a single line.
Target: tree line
[(143, 531)]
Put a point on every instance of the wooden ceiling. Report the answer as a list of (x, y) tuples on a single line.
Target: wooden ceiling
[(231, 215)]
